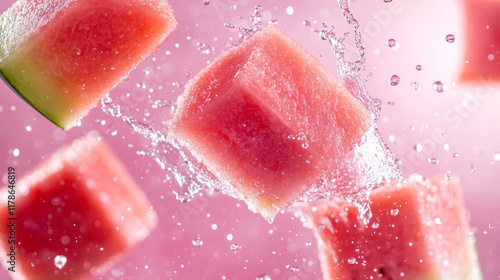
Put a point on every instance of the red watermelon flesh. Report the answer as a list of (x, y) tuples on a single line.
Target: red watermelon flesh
[(482, 57), (419, 230), (80, 204), (61, 56), (268, 120)]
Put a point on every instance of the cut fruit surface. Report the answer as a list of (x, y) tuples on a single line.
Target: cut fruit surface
[(482, 54), (62, 56), (78, 211), (268, 120), (419, 230)]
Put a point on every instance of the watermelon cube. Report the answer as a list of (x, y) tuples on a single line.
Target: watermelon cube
[(62, 56), (78, 211), (268, 120), (419, 230), (482, 54)]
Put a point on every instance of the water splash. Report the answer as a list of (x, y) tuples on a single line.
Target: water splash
[(371, 164)]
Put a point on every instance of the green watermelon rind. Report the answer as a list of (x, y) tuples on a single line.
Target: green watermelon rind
[(12, 85)]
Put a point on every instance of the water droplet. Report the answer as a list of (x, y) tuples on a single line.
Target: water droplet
[(394, 212), (448, 175), (289, 10), (234, 247), (418, 67), (351, 260), (78, 52), (387, 1), (450, 38), (433, 160), (263, 277), (395, 80), (197, 242), (416, 86), (496, 157), (293, 268), (418, 148), (455, 155), (393, 44), (206, 2), (306, 23), (375, 225), (60, 261), (15, 152), (439, 86), (321, 227)]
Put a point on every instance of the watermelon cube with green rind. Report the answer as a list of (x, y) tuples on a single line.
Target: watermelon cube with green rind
[(62, 56), (268, 120), (419, 230), (77, 212)]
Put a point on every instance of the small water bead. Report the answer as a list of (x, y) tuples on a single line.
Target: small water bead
[(293, 268), (289, 10), (496, 157), (439, 86), (60, 261), (418, 67), (395, 79), (450, 38), (433, 160), (416, 86), (234, 247), (491, 57), (197, 242), (351, 260), (306, 22), (206, 2), (375, 225), (387, 1), (321, 227), (393, 44), (263, 277)]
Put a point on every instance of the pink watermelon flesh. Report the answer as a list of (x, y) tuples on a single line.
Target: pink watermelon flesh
[(267, 119), (81, 204), (483, 41), (61, 56), (419, 230)]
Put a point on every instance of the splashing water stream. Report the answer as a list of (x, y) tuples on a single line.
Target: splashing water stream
[(368, 166)]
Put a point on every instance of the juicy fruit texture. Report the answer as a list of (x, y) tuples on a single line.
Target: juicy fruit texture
[(483, 41), (267, 119), (61, 56), (419, 230), (80, 204)]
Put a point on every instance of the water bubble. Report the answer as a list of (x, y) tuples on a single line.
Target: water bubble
[(234, 247), (433, 160), (289, 10), (450, 38), (496, 157), (387, 1), (321, 227), (393, 44), (418, 147), (418, 67), (15, 152), (375, 225), (293, 268), (416, 86), (206, 2), (78, 52), (491, 57), (197, 242), (395, 80), (306, 22), (263, 277), (439, 86), (60, 261), (351, 260), (394, 212)]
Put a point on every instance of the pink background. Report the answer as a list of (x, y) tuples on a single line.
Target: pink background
[(462, 120)]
